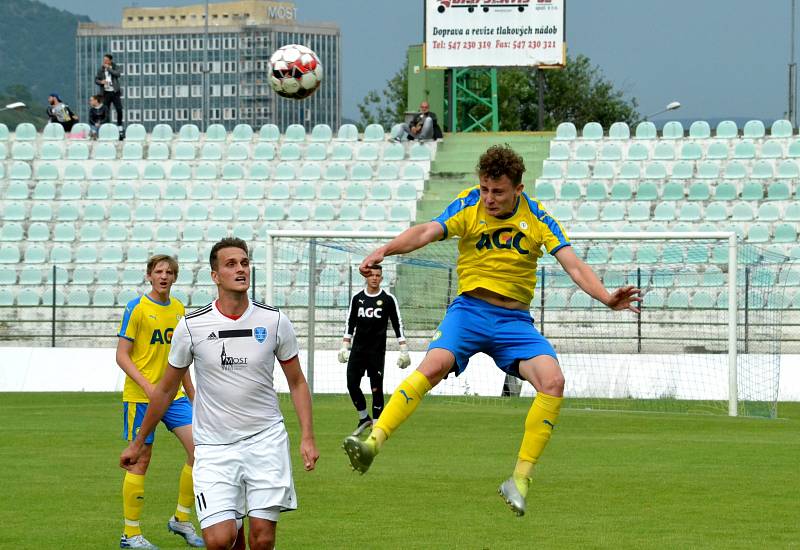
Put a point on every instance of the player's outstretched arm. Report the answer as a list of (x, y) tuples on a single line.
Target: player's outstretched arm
[(124, 349), (301, 398), (162, 396), (409, 240), (583, 275)]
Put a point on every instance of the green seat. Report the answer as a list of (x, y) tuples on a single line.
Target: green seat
[(578, 170), (647, 191), (213, 151), (734, 170), (349, 132), (697, 254), (673, 191), (62, 254), (104, 151), (148, 192), (28, 297), (558, 151), (785, 233), (587, 151), (782, 129), (20, 171), (49, 151), (596, 191), (419, 152), (269, 132), (762, 170), (44, 190), (216, 133), (716, 211), (758, 233), (768, 212), (9, 254), (264, 151), (792, 212), (725, 191), (197, 211), (647, 254), (285, 172), (772, 149), (639, 211), (682, 170), (664, 211), (298, 212), (690, 212), (678, 299), (128, 171), (566, 131), (570, 191), (619, 130), (745, 150), (551, 170), (544, 191), (253, 191), (655, 171), (664, 151), (691, 151), (41, 212), (278, 192), (242, 132), (380, 192), (232, 171), (182, 151), (295, 133), (388, 172), (25, 131), (592, 130), (787, 169), (754, 129), (709, 169), (562, 212), (587, 212), (752, 191), (135, 132), (742, 212), (321, 133), (727, 129), (310, 172), (69, 212), (638, 151), (153, 171), (699, 129), (274, 212), (132, 151), (672, 130), (718, 150), (612, 212), (23, 151), (161, 132), (699, 191)]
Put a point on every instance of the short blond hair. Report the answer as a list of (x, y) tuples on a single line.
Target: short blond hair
[(158, 258)]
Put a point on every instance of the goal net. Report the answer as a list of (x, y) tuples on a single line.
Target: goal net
[(707, 339)]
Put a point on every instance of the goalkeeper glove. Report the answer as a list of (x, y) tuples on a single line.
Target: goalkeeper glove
[(344, 354), (404, 360)]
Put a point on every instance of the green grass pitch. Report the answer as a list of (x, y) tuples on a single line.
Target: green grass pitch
[(607, 480)]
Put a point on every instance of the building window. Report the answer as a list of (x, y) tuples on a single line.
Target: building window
[(149, 115), (215, 90), (132, 92), (165, 44), (214, 114), (197, 114), (182, 91), (133, 45), (229, 66), (216, 66), (197, 67), (131, 68), (197, 43), (148, 45), (215, 43), (182, 44), (246, 112), (197, 90), (181, 67), (117, 45), (229, 113), (229, 90), (165, 68), (165, 114), (149, 92), (181, 114), (148, 68), (165, 91), (134, 115)]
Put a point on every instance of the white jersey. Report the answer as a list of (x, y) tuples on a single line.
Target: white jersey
[(233, 367)]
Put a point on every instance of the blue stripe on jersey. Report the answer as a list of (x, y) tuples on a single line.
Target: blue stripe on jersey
[(457, 206), (126, 317), (549, 221)]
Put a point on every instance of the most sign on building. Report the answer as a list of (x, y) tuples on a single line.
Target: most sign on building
[(494, 33)]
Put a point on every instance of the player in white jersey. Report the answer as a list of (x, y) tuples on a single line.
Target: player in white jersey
[(242, 463)]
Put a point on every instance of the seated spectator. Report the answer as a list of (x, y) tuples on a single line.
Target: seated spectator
[(422, 127), (98, 114), (60, 112)]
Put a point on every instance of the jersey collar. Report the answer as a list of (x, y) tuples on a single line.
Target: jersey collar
[(373, 295), (244, 315), (168, 302)]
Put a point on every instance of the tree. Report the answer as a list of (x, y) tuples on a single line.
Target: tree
[(388, 107), (579, 93)]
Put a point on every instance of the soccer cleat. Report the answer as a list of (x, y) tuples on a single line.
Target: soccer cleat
[(510, 493), (186, 530), (360, 453), (363, 425), (136, 541)]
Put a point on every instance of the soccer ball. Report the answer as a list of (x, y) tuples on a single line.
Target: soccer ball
[(295, 71)]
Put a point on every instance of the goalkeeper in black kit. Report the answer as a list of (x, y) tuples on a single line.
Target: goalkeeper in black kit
[(364, 345)]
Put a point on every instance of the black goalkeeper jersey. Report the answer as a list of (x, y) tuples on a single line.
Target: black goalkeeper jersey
[(367, 320)]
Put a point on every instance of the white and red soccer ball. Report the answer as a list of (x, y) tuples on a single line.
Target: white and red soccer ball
[(295, 71)]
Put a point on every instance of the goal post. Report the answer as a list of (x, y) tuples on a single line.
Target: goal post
[(689, 355)]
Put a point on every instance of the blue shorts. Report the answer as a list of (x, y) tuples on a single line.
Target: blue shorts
[(179, 413), (506, 335)]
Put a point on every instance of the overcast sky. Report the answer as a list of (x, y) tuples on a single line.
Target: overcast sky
[(719, 58)]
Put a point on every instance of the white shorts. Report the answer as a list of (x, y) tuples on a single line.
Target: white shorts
[(250, 477)]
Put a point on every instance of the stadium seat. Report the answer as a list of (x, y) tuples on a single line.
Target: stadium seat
[(752, 191), (269, 132), (762, 169), (182, 151), (639, 211), (321, 133), (324, 212), (699, 191), (259, 171), (566, 131), (89, 232), (25, 131), (673, 191), (646, 191), (343, 151), (725, 191), (699, 129), (40, 212), (349, 132), (406, 192), (4, 134), (619, 130), (727, 129), (329, 191), (744, 150), (23, 151), (664, 211), (753, 129), (785, 233), (295, 133), (691, 151), (274, 212), (48, 151), (373, 132), (380, 192), (716, 211), (678, 299), (20, 171), (690, 212), (68, 212), (787, 169), (768, 212), (132, 151), (709, 169), (135, 132), (621, 254), (305, 191), (362, 171), (587, 151), (558, 151), (587, 212), (253, 191), (742, 212), (103, 297), (160, 132), (419, 152), (104, 151), (216, 133), (316, 151), (570, 191), (562, 212), (792, 213), (682, 170), (758, 233), (578, 170), (9, 253), (782, 129), (242, 132), (718, 150), (592, 130), (672, 130), (638, 151), (310, 172), (27, 297), (264, 151), (298, 212), (772, 149), (125, 296), (551, 170), (734, 170), (664, 151), (62, 254), (115, 232), (596, 191)]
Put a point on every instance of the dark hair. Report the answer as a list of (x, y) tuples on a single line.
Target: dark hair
[(108, 55), (98, 98), (227, 242), (499, 161), (158, 258), (379, 267)]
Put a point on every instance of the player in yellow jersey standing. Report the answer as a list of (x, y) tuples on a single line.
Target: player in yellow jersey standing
[(142, 351), (502, 233)]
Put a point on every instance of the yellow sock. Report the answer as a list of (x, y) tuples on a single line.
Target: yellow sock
[(404, 401), (132, 503), (539, 425), (185, 494)]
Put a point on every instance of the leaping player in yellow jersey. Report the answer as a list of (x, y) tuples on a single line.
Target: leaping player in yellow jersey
[(142, 351), (502, 233)]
